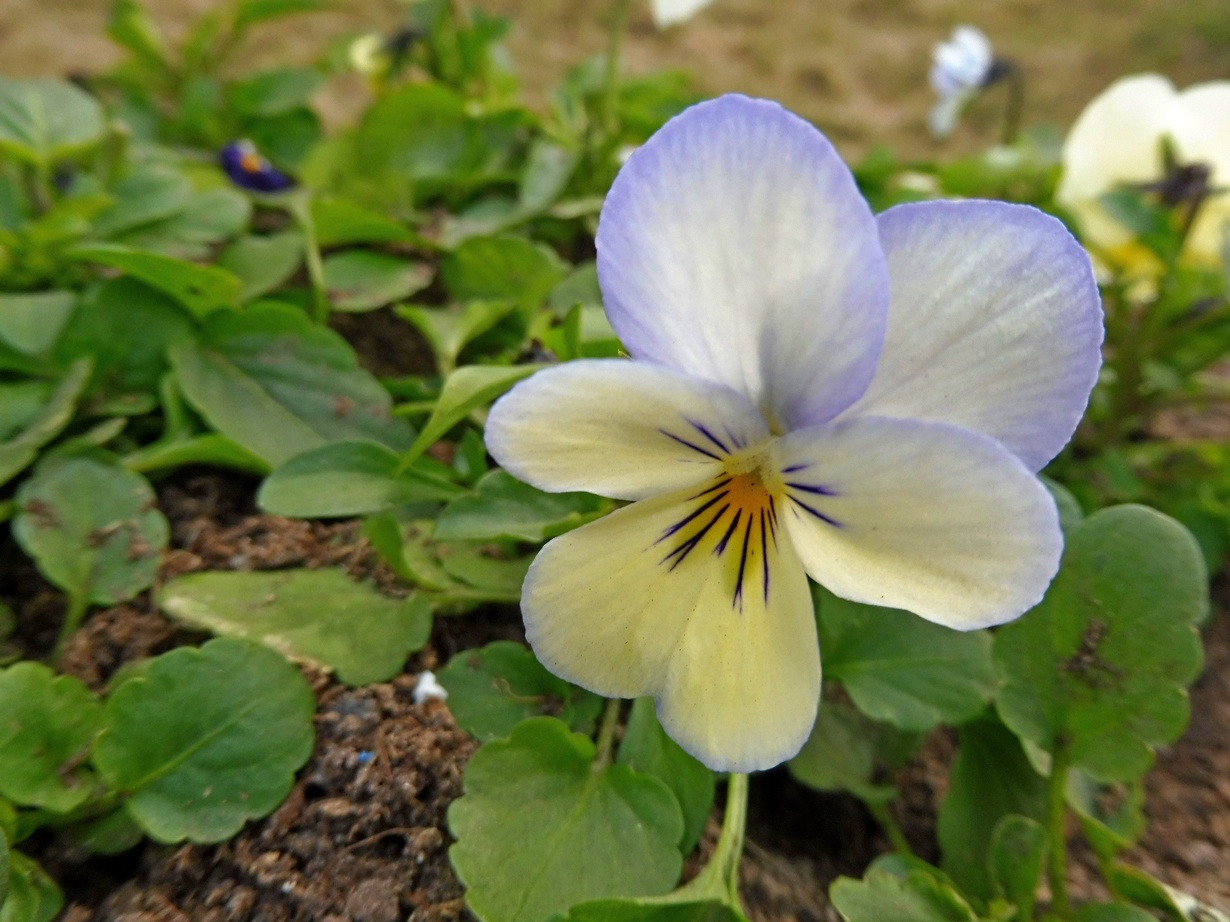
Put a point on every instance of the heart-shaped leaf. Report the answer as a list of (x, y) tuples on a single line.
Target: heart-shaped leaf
[(42, 121), (504, 507)]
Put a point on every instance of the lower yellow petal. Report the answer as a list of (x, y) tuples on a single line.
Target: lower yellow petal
[(697, 599)]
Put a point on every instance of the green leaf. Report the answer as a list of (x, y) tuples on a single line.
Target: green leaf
[(1140, 887), (1102, 662), (49, 721), (548, 167), (191, 232), (33, 896), (1018, 847), (92, 528), (279, 386), (148, 193), (250, 12), (492, 690), (1111, 816), (650, 911), (111, 834), (450, 329), (840, 755), (18, 452), (991, 778), (340, 222), (901, 669), (1113, 912), (344, 479), (363, 280), (262, 263), (541, 828), (202, 740), (465, 390), (42, 121), (5, 867), (30, 323), (129, 25), (502, 268), (917, 897), (201, 289), (273, 92), (504, 507), (125, 327), (646, 748), (318, 616)]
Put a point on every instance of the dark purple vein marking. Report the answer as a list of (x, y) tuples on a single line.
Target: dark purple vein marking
[(773, 519), (688, 546), (707, 434), (747, 537), (764, 555), (809, 488), (684, 521), (686, 444), (734, 439), (716, 486), (721, 545), (815, 512), (795, 468)]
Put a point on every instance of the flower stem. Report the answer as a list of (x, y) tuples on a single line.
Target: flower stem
[(1056, 814), (606, 733), (896, 835), (719, 879), (300, 207), (1015, 79), (610, 89), (78, 604)]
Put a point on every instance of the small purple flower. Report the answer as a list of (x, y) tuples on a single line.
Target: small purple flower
[(249, 169), (814, 390)]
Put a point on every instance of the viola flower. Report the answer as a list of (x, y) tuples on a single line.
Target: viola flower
[(960, 68), (813, 391), (667, 13), (248, 168), (1118, 141)]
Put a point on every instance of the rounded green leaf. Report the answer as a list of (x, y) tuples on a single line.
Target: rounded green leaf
[(5, 869), (92, 528), (1102, 663), (201, 289), (33, 896), (1018, 846), (202, 740), (363, 280), (901, 669), (320, 616), (262, 263), (48, 722), (1113, 912), (650, 911), (21, 450), (840, 754), (492, 690), (504, 507), (916, 897), (44, 120), (541, 828)]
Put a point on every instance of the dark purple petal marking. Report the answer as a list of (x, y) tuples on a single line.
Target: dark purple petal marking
[(828, 520), (747, 537), (717, 486), (794, 468), (687, 546), (812, 488), (709, 435), (721, 545), (764, 555), (682, 522), (686, 444)]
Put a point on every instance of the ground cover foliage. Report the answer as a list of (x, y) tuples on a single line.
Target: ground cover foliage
[(162, 307)]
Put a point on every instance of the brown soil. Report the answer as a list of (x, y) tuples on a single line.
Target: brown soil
[(363, 837)]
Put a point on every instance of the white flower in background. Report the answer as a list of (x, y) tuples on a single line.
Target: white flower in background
[(428, 688), (1117, 142), (784, 416), (960, 67), (669, 12)]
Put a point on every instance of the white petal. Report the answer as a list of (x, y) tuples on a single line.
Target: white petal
[(618, 428), (944, 114), (734, 245), (995, 324), (1201, 130), (1115, 140), (725, 640), (669, 12), (926, 517)]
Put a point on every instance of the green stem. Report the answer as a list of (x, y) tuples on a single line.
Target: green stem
[(896, 835), (610, 89), (1015, 106), (78, 605), (719, 879), (1056, 814), (606, 733), (299, 205)]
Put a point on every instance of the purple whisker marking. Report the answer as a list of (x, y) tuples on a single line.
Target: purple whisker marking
[(687, 546), (684, 521), (734, 439), (716, 486), (773, 519), (764, 555), (686, 444), (747, 537), (721, 545), (809, 488), (795, 467), (816, 512), (707, 434)]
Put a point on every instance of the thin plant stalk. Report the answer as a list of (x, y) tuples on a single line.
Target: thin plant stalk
[(610, 87), (1057, 849)]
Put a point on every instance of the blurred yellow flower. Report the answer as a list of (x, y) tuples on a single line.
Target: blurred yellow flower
[(1118, 141)]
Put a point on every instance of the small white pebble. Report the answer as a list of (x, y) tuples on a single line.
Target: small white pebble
[(428, 689)]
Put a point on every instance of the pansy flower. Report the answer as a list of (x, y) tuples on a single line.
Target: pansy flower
[(668, 13), (1117, 142), (813, 391), (249, 169), (960, 68)]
